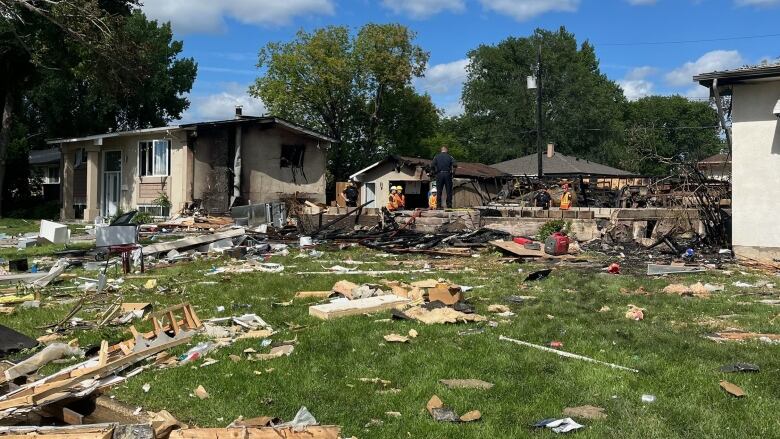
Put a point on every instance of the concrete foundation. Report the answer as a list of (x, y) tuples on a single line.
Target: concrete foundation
[(769, 255)]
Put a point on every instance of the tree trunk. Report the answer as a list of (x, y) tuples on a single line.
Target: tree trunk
[(5, 138)]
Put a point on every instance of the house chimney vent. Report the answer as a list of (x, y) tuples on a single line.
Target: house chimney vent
[(239, 111), (550, 150)]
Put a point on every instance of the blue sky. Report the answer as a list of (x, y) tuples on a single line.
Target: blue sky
[(225, 35)]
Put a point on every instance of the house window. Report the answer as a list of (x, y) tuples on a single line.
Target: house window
[(292, 156), (154, 158), (80, 158), (154, 210), (52, 175)]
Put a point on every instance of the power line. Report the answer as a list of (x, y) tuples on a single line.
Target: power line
[(703, 40)]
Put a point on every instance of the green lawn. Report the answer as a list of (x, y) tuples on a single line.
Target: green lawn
[(677, 364)]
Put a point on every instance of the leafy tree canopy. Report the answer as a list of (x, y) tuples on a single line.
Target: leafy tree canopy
[(355, 88)]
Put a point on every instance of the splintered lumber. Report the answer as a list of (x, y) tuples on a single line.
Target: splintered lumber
[(191, 242), (567, 354), (359, 306), (21, 277), (312, 432), (95, 431)]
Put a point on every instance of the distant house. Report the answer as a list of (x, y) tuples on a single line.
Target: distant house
[(45, 173), (555, 164), (755, 119), (474, 184), (273, 159), (717, 167)]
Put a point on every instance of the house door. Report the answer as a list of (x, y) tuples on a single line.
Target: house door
[(370, 194), (112, 182)]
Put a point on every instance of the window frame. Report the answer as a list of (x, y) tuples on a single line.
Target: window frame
[(147, 165), (150, 207), (298, 153)]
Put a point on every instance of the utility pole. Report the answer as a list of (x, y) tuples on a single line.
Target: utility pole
[(539, 141)]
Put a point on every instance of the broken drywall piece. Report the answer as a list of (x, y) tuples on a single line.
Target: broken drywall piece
[(279, 351), (358, 306), (116, 235)]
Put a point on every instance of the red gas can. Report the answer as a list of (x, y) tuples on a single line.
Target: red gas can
[(557, 244)]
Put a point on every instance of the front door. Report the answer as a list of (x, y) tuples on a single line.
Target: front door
[(112, 182), (370, 194)]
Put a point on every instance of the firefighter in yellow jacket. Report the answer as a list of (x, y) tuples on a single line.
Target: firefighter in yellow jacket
[(566, 198), (433, 198), (392, 203), (400, 198)]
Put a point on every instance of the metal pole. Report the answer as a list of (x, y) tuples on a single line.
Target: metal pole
[(539, 127)]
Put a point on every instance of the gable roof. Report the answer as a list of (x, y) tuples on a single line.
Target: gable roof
[(271, 120), (742, 74), (558, 164), (462, 170), (717, 159)]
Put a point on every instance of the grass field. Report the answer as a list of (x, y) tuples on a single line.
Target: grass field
[(677, 364)]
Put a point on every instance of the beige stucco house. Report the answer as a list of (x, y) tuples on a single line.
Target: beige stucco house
[(245, 160), (755, 161)]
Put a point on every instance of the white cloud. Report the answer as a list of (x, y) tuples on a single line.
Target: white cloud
[(759, 3), (522, 10), (452, 109), (420, 9), (221, 105), (444, 78), (709, 62), (208, 16), (642, 2), (635, 85)]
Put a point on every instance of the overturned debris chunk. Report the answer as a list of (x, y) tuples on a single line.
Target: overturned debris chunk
[(739, 367), (732, 389), (585, 412)]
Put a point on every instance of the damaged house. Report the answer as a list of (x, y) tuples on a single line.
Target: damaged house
[(755, 155), (216, 165), (474, 184)]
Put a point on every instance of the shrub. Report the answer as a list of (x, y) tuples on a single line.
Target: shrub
[(551, 227)]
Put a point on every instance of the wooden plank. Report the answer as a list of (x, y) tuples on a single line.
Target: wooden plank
[(191, 242), (522, 252), (97, 431), (356, 307), (71, 417), (314, 432), (313, 294)]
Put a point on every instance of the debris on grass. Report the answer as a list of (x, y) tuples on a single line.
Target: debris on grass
[(567, 354), (739, 367), (694, 290), (201, 393), (635, 313), (585, 412), (564, 425), (732, 389), (466, 384), (413, 333), (395, 338), (279, 351), (441, 315), (743, 336)]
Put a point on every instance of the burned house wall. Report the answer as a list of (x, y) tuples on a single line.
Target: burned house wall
[(268, 174), (756, 170), (212, 166)]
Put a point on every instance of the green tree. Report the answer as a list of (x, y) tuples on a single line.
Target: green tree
[(355, 88), (662, 130), (82, 66), (582, 108)]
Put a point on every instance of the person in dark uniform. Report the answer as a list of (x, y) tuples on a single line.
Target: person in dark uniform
[(543, 199), (350, 195), (443, 167)]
